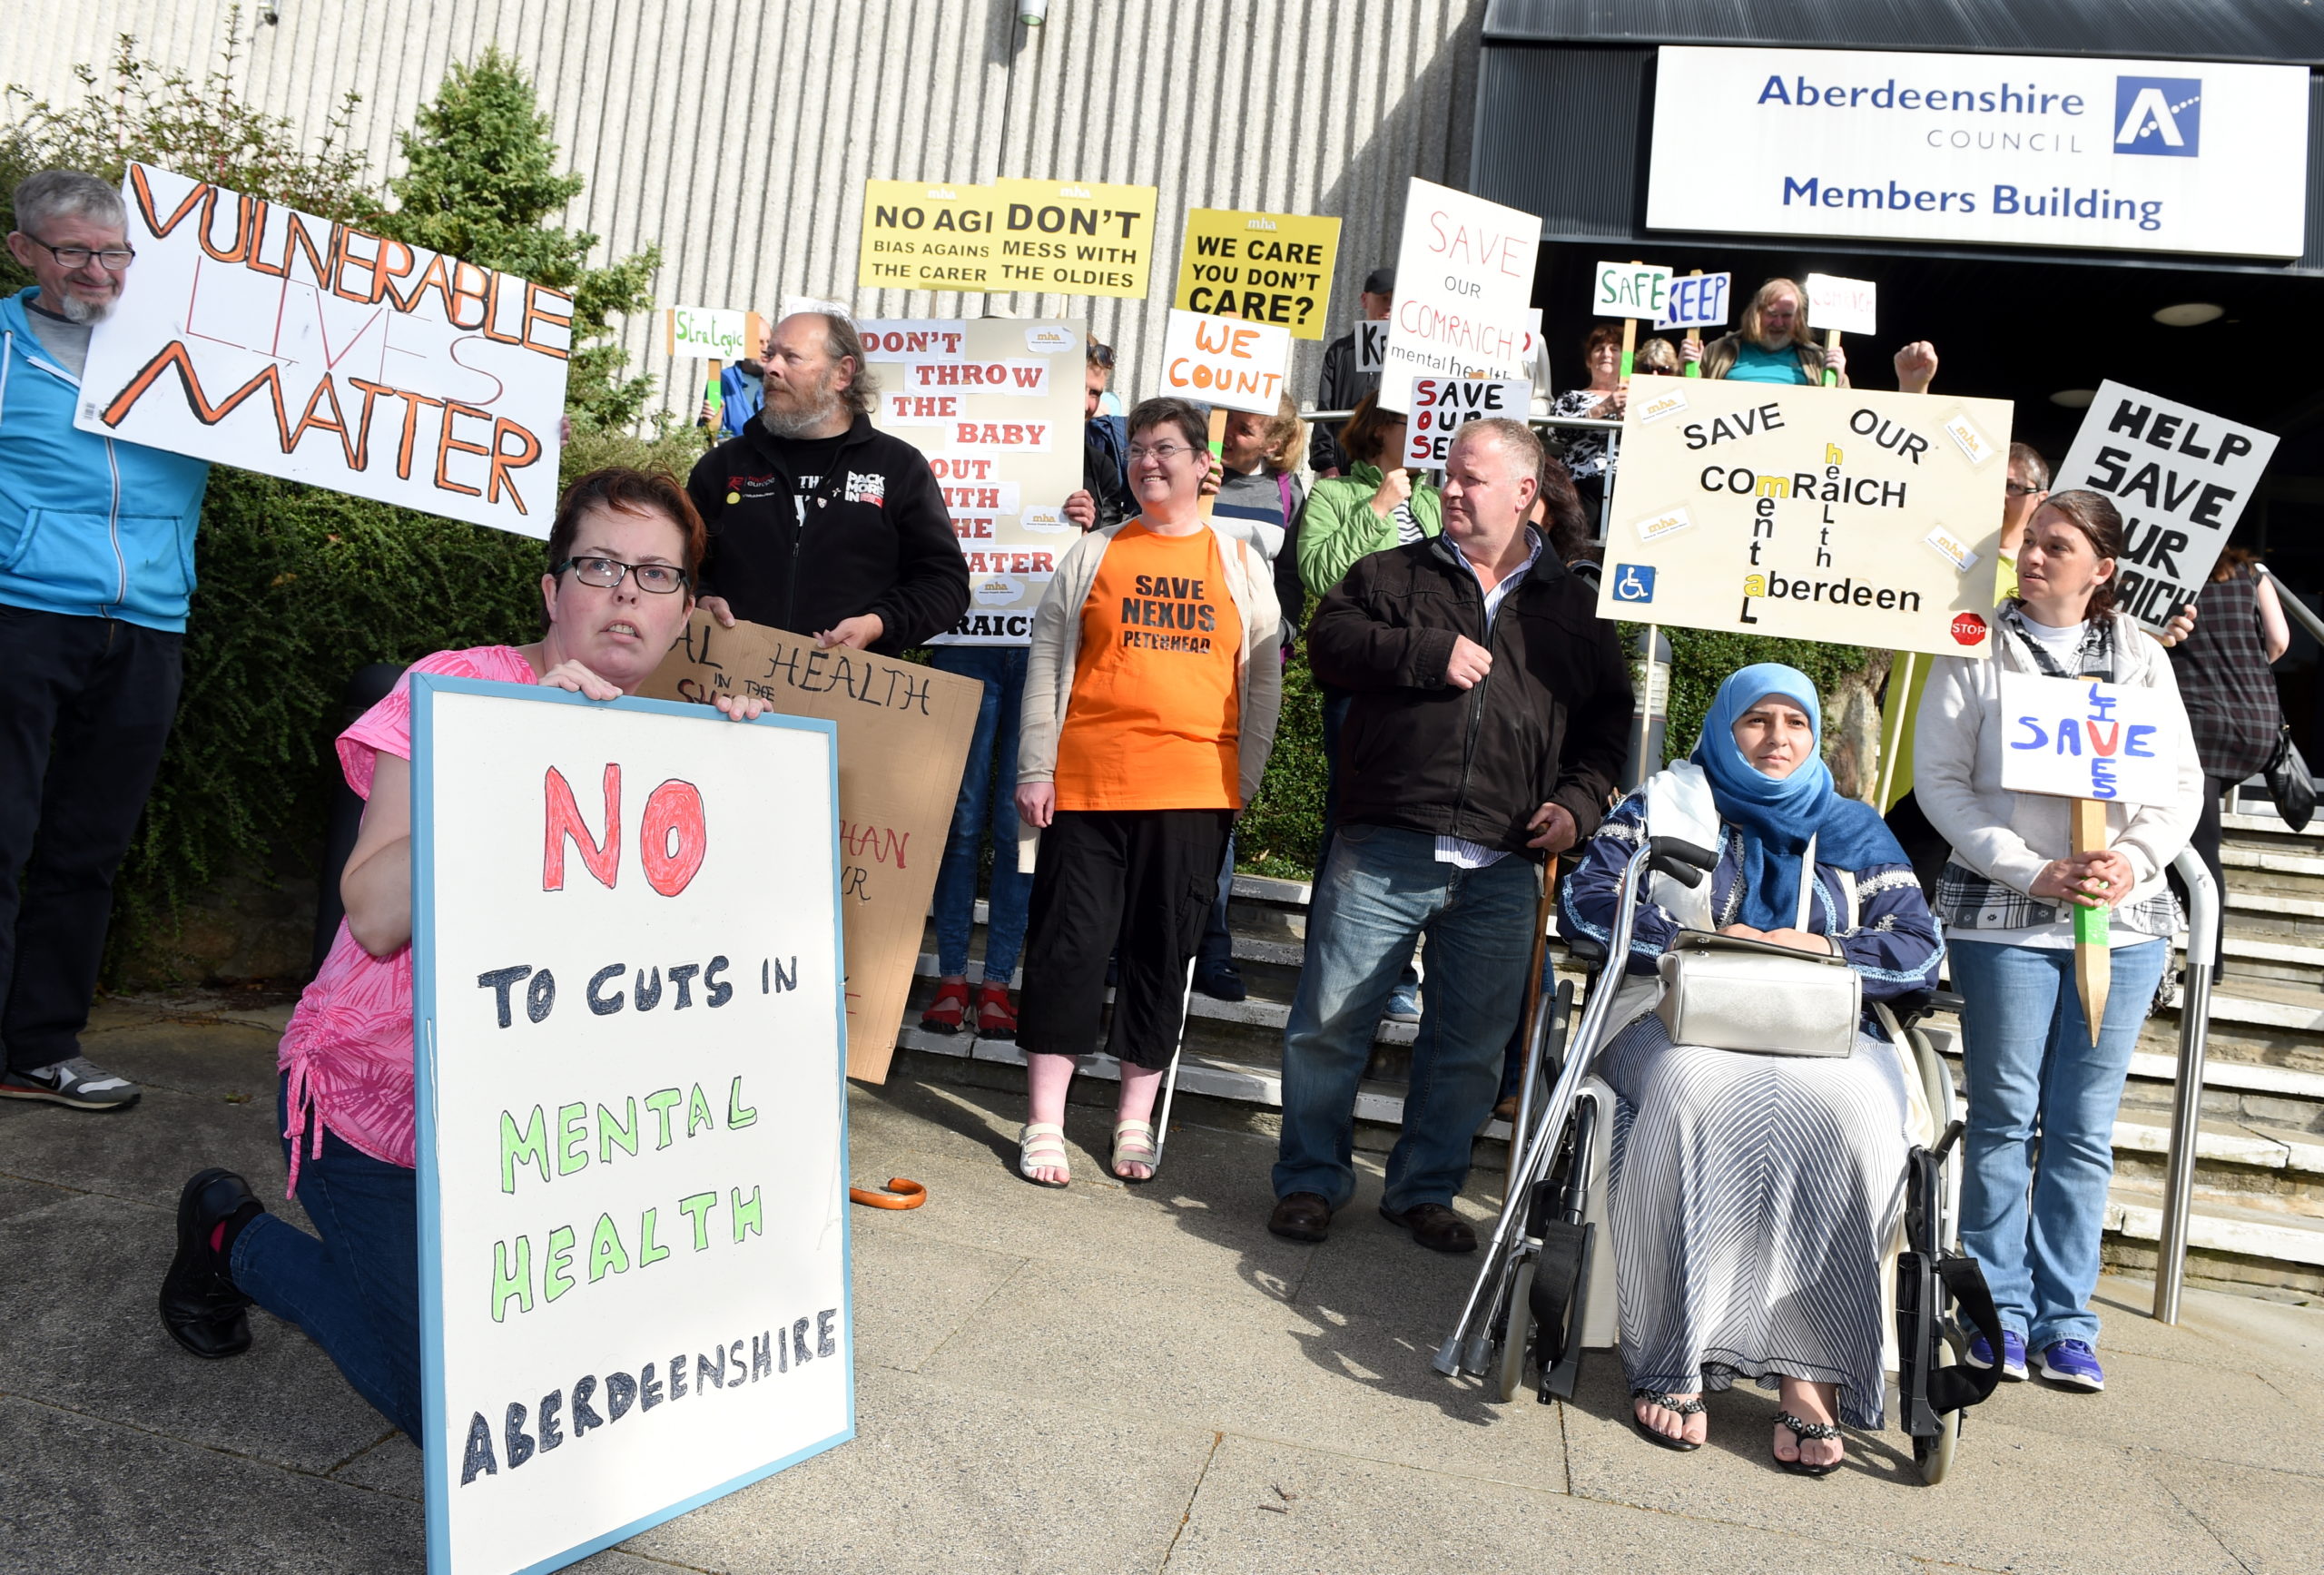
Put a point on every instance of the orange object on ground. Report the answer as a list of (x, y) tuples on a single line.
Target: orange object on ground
[(901, 1194)]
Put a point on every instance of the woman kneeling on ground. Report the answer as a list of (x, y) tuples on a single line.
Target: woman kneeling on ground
[(623, 553), (1753, 1195)]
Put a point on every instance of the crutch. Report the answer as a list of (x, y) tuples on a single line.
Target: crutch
[(1171, 1077)]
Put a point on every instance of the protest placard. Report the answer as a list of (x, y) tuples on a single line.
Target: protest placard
[(2078, 738), (1076, 237), (1370, 345), (714, 332), (918, 236), (632, 1119), (1814, 514), (1465, 281), (1631, 289), (1264, 266), (996, 405), (904, 737), (1694, 301), (1836, 305), (2179, 476), (255, 335), (1225, 362), (1443, 405)]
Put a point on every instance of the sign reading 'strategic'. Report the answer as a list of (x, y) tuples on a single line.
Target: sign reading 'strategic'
[(1813, 514), (256, 335), (632, 1117)]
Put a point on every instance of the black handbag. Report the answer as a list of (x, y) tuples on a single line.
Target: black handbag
[(2288, 782)]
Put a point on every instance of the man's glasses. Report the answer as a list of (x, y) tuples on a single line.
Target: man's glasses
[(608, 572), (1165, 452), (2019, 489), (114, 258)]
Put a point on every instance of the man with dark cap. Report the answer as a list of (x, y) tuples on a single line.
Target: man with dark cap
[(1344, 381)]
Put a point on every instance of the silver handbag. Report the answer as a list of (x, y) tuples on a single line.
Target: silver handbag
[(1731, 993)]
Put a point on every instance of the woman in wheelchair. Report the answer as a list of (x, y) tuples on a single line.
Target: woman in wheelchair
[(1754, 1190)]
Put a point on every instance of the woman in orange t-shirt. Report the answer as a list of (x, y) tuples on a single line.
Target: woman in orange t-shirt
[(1150, 697)]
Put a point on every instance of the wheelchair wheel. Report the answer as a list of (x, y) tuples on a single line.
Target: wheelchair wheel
[(1507, 1371), (1933, 1456)]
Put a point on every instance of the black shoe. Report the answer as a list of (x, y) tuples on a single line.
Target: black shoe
[(201, 1308), (1301, 1217), (1434, 1227), (1220, 981)]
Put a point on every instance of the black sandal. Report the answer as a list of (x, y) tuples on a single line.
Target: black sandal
[(1804, 1431), (1694, 1407)]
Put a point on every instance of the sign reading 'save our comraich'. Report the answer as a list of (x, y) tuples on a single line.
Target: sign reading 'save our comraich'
[(2179, 476), (2077, 738), (255, 335), (2138, 155), (632, 1117), (996, 405), (1051, 237), (1813, 514), (1465, 282), (1273, 268)]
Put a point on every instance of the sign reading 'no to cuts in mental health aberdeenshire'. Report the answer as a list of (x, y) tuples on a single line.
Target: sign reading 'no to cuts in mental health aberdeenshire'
[(632, 1140), (1813, 514)]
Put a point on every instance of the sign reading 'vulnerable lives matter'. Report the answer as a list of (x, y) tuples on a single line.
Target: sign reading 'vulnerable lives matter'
[(632, 1117), (1465, 281), (1839, 515), (255, 335)]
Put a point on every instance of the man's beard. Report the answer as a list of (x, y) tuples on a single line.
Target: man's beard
[(802, 422), (74, 308)]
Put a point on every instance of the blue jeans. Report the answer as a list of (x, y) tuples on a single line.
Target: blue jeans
[(992, 751), (1382, 889), (2037, 1084), (356, 1292)]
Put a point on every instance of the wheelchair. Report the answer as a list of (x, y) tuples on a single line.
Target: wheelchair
[(1545, 1293)]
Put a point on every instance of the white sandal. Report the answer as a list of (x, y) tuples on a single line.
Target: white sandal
[(1134, 1144), (1040, 1146)]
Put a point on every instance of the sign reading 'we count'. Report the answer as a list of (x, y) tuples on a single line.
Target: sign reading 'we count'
[(2021, 150)]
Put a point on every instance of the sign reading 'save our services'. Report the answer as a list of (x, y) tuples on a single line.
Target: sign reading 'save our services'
[(2012, 150)]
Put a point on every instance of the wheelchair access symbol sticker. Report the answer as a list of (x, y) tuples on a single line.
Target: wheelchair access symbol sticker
[(1633, 582)]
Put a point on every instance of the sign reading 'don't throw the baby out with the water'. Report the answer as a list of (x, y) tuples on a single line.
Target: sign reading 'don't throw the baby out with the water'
[(632, 1118)]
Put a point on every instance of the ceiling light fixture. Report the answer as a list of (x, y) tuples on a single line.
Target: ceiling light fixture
[(2190, 314), (2075, 398)]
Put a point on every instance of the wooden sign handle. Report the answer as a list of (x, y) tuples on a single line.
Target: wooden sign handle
[(1629, 338), (1218, 447), (1694, 336), (670, 331), (1831, 343), (2093, 964)]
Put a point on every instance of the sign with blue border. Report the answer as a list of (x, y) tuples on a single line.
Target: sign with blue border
[(632, 1140)]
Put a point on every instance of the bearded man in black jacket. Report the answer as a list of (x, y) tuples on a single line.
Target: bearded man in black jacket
[(819, 522)]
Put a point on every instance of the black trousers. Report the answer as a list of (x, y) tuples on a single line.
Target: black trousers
[(1138, 882), (85, 707)]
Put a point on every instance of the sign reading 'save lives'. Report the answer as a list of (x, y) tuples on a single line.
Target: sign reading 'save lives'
[(631, 1117), (2077, 738)]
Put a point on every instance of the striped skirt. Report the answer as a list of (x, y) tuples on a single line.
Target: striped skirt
[(1750, 1203)]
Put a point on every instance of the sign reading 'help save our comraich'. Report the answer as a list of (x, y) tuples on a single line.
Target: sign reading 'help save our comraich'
[(1050, 237), (1271, 268), (1464, 285), (1810, 514), (632, 1118), (255, 335), (996, 405), (2012, 150)]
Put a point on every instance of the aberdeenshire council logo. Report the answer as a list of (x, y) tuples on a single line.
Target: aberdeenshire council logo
[(2158, 116)]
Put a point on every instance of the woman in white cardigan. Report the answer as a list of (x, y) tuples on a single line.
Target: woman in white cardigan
[(2036, 1079)]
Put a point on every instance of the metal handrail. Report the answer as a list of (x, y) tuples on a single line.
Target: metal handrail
[(2187, 1096), (2296, 610), (1529, 420)]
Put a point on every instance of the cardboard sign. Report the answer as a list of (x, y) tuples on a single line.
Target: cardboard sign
[(997, 406), (1075, 236), (1441, 407), (1263, 267), (1813, 514), (2179, 476), (2080, 739), (1849, 305), (916, 236), (1218, 360), (632, 1144), (1465, 281), (712, 333), (1631, 289), (1695, 301), (903, 735), (259, 335), (1371, 346)]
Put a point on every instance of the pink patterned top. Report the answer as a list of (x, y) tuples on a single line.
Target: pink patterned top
[(347, 1049)]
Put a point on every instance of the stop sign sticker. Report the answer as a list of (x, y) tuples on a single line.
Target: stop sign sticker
[(1968, 628)]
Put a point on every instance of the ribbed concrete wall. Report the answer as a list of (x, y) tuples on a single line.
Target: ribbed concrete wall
[(738, 136)]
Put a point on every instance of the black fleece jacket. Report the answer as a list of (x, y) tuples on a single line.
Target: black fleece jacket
[(877, 537), (1549, 724)]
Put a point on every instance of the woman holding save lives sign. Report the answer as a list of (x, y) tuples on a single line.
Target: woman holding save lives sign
[(623, 555), (1151, 700), (2007, 898)]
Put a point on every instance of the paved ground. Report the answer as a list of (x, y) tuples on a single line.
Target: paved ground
[(1098, 1380)]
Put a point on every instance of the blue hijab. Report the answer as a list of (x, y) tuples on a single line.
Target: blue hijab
[(1777, 816)]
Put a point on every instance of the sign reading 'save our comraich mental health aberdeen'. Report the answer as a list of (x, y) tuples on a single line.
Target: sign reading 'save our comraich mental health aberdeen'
[(996, 406), (1273, 267), (255, 335), (2179, 476), (1813, 514), (632, 1144), (2138, 155), (1050, 237), (1465, 282)]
